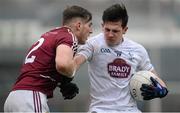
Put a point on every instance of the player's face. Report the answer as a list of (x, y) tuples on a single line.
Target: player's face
[(113, 32), (86, 30)]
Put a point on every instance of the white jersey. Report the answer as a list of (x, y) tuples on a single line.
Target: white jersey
[(110, 69)]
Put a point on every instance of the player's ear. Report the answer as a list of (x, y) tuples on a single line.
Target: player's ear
[(102, 26), (125, 30), (78, 25)]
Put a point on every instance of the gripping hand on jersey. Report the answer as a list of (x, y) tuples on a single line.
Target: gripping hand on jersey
[(155, 90), (68, 89)]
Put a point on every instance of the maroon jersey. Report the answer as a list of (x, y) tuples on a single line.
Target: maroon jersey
[(38, 72)]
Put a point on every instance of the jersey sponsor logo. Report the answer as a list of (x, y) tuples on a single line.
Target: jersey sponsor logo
[(105, 50), (119, 68)]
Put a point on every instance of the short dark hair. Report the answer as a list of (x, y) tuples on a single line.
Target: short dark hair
[(116, 12), (76, 11)]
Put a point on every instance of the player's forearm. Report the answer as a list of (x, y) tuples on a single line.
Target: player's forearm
[(64, 60), (79, 60), (67, 69)]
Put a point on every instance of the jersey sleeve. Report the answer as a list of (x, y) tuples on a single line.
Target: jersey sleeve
[(86, 50), (145, 63), (67, 40)]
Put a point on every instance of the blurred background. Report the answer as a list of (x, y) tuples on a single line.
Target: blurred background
[(153, 23)]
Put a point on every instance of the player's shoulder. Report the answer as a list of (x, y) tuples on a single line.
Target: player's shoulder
[(60, 35), (64, 32), (58, 32), (96, 39), (133, 44)]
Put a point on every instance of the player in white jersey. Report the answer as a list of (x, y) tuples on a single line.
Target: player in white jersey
[(112, 60)]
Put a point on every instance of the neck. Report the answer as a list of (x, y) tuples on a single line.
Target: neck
[(116, 44)]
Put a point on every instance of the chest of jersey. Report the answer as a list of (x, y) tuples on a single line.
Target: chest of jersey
[(118, 62)]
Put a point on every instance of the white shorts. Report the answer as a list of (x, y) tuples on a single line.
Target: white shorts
[(118, 110), (26, 101)]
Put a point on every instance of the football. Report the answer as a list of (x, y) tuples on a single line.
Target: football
[(139, 78)]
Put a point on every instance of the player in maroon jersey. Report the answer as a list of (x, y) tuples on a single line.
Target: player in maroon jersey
[(49, 63)]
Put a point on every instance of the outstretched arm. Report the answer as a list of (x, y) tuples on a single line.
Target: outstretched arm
[(79, 60)]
